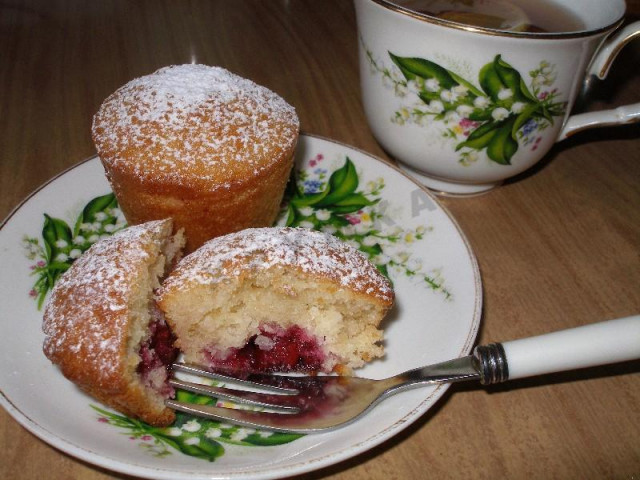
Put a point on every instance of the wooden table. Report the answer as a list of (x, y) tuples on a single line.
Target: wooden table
[(558, 247)]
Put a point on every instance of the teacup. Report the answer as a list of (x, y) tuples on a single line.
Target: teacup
[(462, 108)]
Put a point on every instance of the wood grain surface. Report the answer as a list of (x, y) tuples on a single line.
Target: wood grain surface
[(558, 247)]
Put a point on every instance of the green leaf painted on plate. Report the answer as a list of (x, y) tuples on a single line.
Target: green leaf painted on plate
[(56, 235), (102, 204), (310, 199), (259, 439), (291, 215), (342, 183), (352, 203), (199, 446)]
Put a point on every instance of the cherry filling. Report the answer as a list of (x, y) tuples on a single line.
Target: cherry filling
[(275, 349), (318, 397), (157, 353)]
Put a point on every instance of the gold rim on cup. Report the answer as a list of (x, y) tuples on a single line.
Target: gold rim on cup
[(495, 32)]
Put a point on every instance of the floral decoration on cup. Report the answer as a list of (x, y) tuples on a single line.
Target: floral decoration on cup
[(498, 116)]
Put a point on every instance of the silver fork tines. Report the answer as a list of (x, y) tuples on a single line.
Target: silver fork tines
[(311, 403), (258, 382)]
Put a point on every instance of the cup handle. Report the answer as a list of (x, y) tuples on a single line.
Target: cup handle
[(599, 67)]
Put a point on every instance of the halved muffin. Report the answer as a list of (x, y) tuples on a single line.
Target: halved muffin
[(103, 329), (277, 299)]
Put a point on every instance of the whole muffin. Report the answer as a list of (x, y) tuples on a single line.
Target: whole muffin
[(198, 144)]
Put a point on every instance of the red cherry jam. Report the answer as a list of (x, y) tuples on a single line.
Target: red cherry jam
[(275, 349), (158, 350)]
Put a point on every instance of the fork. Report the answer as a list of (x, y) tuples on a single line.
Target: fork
[(314, 404)]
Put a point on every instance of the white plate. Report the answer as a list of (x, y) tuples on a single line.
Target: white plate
[(430, 323)]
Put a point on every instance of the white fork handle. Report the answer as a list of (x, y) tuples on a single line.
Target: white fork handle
[(596, 344)]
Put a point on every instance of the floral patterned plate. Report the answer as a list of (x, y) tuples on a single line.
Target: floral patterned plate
[(338, 189)]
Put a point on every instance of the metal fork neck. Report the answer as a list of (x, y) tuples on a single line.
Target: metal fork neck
[(491, 362)]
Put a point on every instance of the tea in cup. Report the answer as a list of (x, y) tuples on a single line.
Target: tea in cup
[(467, 93)]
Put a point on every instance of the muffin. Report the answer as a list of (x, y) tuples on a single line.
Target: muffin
[(277, 299), (101, 325), (198, 144)]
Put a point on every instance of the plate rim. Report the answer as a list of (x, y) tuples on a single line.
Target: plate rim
[(127, 467)]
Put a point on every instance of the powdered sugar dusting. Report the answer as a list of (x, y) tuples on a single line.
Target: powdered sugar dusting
[(311, 251), (88, 311), (193, 123)]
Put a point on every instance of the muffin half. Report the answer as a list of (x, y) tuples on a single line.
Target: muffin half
[(101, 325), (277, 299)]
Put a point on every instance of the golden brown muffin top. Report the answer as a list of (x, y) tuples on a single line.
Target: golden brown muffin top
[(194, 127), (310, 251)]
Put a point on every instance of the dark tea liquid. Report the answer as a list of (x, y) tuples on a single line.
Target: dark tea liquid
[(537, 16)]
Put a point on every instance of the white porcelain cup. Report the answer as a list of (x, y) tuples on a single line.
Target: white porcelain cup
[(463, 108)]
